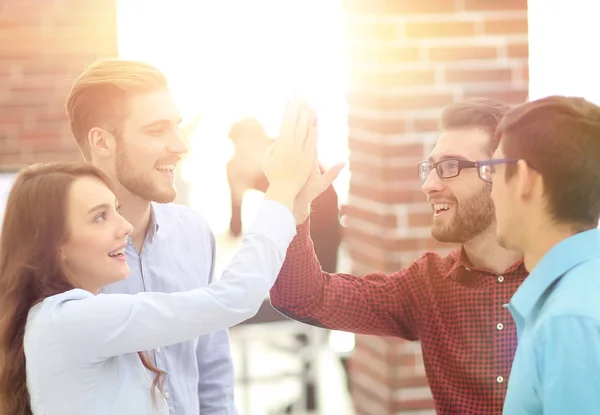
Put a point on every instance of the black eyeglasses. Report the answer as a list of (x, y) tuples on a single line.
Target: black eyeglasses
[(446, 169), (449, 168), (487, 168)]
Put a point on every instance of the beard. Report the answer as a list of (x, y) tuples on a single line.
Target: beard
[(471, 218), (140, 184)]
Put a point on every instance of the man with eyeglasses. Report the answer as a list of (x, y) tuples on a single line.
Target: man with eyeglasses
[(546, 188), (453, 305)]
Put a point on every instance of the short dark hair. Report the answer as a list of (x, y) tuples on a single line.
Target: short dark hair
[(559, 137), (484, 113)]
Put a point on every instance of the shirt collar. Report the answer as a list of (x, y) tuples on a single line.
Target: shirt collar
[(462, 264), (563, 256), (153, 226), (154, 222)]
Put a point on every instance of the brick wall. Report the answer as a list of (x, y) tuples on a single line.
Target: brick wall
[(44, 45), (407, 59)]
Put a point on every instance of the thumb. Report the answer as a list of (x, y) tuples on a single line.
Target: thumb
[(330, 175), (268, 154)]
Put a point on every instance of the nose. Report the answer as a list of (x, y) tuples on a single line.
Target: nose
[(433, 183), (178, 144), (125, 228)]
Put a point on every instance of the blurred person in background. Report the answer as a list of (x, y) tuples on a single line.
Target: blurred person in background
[(250, 142)]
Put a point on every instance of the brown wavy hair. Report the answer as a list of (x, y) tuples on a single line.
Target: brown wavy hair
[(34, 228)]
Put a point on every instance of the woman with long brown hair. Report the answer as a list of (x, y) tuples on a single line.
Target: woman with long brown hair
[(64, 348)]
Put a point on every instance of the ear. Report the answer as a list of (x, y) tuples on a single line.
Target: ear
[(101, 142), (61, 255), (529, 182)]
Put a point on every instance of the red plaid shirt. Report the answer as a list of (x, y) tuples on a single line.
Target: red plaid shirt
[(467, 337)]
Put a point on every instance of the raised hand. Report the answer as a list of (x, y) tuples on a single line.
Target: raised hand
[(315, 185), (289, 161)]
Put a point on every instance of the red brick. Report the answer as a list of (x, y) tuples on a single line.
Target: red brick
[(10, 161), (414, 151), (414, 405), (374, 264), (376, 241), (379, 31), (524, 72), (505, 26), (377, 125), (395, 358), (462, 53), (418, 220), (423, 125), (402, 7), (408, 382), (46, 47), (47, 59), (509, 96), (361, 408), (399, 102), (380, 170), (372, 217), (419, 7), (387, 195), (478, 75), (495, 5), (362, 53), (518, 50), (440, 29), (392, 79)]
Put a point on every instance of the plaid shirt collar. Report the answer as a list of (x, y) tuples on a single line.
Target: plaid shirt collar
[(462, 265)]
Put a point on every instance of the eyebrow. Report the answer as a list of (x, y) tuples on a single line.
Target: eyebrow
[(160, 123), (449, 156), (102, 206)]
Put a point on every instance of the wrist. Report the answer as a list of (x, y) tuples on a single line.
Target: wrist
[(301, 212), (283, 194)]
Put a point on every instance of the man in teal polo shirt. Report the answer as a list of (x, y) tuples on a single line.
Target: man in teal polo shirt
[(546, 190)]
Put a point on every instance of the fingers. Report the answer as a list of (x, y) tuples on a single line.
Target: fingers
[(331, 174), (269, 153), (303, 126), (288, 123), (310, 144)]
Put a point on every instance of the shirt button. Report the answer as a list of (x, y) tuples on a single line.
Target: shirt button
[(499, 326), (500, 278), (167, 395), (499, 379), (158, 350)]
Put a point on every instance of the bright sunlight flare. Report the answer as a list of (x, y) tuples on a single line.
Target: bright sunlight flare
[(230, 59)]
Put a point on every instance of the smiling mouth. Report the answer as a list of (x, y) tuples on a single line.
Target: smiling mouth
[(441, 208), (168, 169), (118, 253)]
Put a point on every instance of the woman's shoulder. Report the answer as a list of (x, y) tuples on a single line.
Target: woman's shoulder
[(74, 294), (50, 303)]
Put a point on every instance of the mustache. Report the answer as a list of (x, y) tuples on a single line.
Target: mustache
[(447, 197)]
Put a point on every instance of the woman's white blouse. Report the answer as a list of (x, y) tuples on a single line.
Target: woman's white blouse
[(78, 345)]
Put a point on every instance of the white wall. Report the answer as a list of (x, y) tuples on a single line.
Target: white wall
[(564, 48)]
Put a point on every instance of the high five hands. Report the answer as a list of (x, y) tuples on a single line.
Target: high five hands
[(291, 164)]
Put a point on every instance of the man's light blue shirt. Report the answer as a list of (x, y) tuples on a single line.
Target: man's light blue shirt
[(556, 370), (179, 255)]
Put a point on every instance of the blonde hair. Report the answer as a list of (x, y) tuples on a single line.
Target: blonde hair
[(98, 97)]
